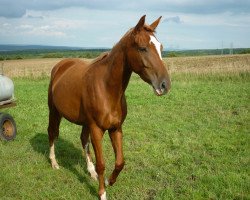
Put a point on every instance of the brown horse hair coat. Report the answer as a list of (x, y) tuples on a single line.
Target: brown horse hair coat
[(93, 94)]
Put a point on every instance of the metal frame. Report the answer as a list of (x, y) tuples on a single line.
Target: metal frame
[(8, 103)]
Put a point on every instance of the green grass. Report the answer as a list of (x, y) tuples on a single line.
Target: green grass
[(191, 144)]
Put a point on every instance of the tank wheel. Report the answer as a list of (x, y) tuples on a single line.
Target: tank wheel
[(7, 127)]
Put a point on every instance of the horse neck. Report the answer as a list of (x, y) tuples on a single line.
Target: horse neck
[(118, 71)]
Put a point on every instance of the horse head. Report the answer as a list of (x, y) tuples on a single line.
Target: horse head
[(144, 56)]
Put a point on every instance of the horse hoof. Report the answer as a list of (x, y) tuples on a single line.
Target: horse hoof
[(111, 182), (103, 196), (55, 166), (94, 176)]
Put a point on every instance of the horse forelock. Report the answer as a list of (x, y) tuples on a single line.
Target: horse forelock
[(148, 28), (142, 38)]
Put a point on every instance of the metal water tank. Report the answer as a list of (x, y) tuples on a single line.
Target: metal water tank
[(6, 88)]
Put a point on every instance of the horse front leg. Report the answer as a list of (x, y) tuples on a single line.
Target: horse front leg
[(96, 135), (116, 139)]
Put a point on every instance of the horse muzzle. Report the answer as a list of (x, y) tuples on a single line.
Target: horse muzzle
[(162, 88)]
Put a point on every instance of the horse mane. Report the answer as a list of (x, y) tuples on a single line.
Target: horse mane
[(100, 57), (105, 54)]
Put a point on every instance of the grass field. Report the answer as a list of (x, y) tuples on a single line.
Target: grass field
[(191, 144)]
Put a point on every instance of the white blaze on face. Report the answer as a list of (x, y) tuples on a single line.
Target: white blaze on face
[(157, 45)]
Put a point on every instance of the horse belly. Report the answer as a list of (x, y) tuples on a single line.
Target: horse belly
[(67, 104)]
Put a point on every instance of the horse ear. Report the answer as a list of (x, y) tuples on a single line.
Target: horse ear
[(155, 23), (140, 24)]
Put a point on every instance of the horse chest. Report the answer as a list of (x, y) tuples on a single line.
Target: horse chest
[(105, 109), (107, 115), (108, 118)]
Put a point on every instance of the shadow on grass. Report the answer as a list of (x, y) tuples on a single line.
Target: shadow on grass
[(67, 155)]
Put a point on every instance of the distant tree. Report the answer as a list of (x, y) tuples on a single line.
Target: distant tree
[(172, 54), (244, 51)]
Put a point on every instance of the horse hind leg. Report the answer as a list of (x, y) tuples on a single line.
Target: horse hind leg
[(85, 145), (53, 132), (52, 157)]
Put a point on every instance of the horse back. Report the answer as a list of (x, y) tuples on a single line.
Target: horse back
[(60, 68)]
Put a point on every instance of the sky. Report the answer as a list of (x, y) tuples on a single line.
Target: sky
[(185, 24)]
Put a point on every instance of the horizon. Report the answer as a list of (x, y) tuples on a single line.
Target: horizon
[(45, 47)]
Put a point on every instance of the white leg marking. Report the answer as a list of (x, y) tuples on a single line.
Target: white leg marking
[(156, 44), (52, 157), (90, 165), (103, 196), (106, 182), (91, 169)]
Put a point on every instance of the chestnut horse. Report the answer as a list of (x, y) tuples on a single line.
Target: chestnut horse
[(93, 94)]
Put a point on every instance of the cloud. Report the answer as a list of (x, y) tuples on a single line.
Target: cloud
[(11, 9), (175, 19), (34, 17), (46, 31), (203, 7)]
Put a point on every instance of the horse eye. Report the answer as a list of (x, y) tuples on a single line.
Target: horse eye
[(142, 49)]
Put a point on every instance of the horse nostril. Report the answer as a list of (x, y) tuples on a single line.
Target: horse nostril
[(163, 85)]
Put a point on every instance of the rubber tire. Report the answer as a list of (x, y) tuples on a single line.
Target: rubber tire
[(7, 127)]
